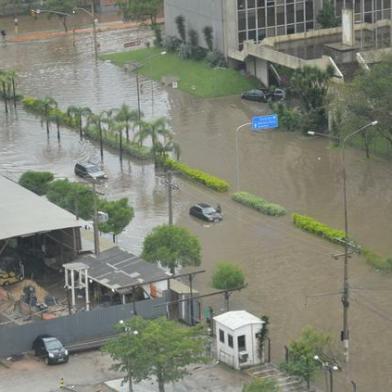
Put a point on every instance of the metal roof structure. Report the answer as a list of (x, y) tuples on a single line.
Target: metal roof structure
[(23, 213), (119, 270), (237, 319)]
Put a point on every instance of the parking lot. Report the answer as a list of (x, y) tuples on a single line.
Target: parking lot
[(88, 371)]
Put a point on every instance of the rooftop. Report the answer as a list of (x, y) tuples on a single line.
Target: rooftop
[(23, 213), (237, 319)]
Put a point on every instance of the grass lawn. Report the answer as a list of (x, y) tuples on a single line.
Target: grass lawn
[(195, 77)]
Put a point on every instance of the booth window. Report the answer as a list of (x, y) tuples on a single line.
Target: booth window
[(221, 336), (241, 343), (230, 340)]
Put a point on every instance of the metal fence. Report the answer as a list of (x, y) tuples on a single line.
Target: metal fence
[(72, 329)]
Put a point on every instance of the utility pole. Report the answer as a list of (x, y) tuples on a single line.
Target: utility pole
[(96, 234), (138, 96), (169, 192)]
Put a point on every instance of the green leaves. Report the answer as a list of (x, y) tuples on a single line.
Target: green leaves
[(36, 182), (262, 385), (326, 16), (259, 204), (161, 348), (197, 175), (172, 246), (120, 214), (227, 276)]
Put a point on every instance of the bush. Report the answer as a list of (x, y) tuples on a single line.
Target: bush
[(259, 204), (36, 182), (312, 226), (198, 53), (216, 59), (171, 44), (185, 51), (158, 36), (377, 261), (212, 182)]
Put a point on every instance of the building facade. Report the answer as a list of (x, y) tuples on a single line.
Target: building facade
[(235, 21)]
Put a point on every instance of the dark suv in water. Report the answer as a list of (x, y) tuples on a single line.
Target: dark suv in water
[(50, 349), (89, 170), (206, 212)]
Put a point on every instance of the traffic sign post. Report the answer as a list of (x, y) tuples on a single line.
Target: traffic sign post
[(259, 123)]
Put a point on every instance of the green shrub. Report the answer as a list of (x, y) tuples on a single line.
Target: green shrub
[(216, 59), (259, 204), (36, 182), (377, 261), (312, 226), (212, 182)]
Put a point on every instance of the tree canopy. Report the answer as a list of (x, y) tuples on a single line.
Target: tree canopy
[(62, 9), (157, 348), (140, 9), (172, 246), (36, 182), (227, 276), (326, 16)]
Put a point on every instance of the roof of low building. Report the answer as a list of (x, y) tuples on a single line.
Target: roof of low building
[(119, 270), (237, 319), (24, 213)]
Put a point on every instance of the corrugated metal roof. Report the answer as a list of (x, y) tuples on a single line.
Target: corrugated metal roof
[(237, 319), (24, 213), (116, 268)]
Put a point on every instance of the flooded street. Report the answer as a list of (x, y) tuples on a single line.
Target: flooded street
[(288, 272)]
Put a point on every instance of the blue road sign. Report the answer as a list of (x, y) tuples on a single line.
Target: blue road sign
[(264, 122)]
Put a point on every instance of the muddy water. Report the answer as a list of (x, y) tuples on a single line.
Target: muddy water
[(288, 272)]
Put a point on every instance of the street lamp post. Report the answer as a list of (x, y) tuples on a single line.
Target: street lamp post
[(94, 22), (237, 154), (346, 287), (330, 367)]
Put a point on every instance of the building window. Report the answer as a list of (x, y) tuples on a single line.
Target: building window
[(290, 13), (241, 20), (251, 3), (221, 336), (280, 15), (241, 343), (241, 4), (261, 17), (270, 16), (260, 3), (300, 12), (309, 10), (251, 20), (252, 35), (230, 340)]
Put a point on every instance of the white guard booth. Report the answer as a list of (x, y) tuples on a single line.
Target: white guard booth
[(237, 339)]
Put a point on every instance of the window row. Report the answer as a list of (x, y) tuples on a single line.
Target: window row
[(249, 4), (241, 341)]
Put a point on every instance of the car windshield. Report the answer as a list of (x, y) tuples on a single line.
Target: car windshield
[(93, 169), (53, 344), (209, 211)]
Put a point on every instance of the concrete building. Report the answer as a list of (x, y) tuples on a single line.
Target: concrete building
[(237, 339), (235, 21)]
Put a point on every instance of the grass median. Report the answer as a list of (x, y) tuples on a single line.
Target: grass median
[(195, 77)]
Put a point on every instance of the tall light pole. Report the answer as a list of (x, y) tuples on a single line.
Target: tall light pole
[(94, 22), (331, 367), (346, 288), (237, 131)]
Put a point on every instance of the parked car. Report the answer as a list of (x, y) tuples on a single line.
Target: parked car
[(206, 212), (89, 170), (260, 95), (255, 95), (50, 349)]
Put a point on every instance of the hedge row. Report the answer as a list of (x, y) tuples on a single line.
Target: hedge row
[(312, 226), (377, 261), (110, 139), (197, 175), (259, 204)]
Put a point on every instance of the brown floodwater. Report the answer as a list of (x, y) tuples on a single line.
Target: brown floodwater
[(291, 275)]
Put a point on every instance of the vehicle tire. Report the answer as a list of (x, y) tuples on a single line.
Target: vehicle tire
[(46, 361)]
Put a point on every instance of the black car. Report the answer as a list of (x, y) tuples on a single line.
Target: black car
[(255, 95), (50, 348), (206, 212), (264, 95), (89, 170)]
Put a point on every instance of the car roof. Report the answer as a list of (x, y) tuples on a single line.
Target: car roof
[(88, 164), (203, 205), (50, 338)]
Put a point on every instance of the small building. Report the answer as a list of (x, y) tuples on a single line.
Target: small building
[(237, 338)]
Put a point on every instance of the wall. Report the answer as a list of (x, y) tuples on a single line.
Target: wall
[(197, 14), (75, 328)]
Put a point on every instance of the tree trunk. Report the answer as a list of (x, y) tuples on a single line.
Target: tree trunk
[(127, 131), (121, 146), (161, 385), (114, 238), (47, 120), (65, 24), (5, 98), (130, 385), (80, 128), (13, 91), (58, 128), (100, 141)]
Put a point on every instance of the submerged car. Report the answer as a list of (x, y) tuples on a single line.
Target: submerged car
[(205, 212), (50, 349), (89, 170)]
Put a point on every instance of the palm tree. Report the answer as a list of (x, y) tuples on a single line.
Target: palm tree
[(47, 104), (117, 128), (12, 76), (56, 115), (157, 131), (126, 115), (98, 119), (77, 113), (3, 82), (168, 145)]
